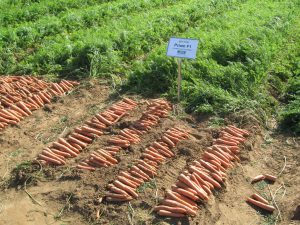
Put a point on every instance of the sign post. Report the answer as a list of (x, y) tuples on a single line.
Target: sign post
[(179, 79), (182, 48)]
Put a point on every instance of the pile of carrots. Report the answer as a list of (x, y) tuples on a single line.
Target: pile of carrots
[(203, 175), (20, 95), (156, 109), (84, 135), (124, 187)]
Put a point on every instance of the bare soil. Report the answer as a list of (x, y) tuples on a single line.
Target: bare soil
[(31, 194)]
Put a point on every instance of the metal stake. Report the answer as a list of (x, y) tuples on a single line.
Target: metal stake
[(179, 79)]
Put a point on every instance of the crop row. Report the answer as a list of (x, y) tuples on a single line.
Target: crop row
[(82, 136), (105, 50), (124, 187), (156, 109), (20, 95), (31, 34), (14, 12), (203, 175), (230, 69)]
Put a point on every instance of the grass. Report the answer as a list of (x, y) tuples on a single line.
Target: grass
[(248, 56)]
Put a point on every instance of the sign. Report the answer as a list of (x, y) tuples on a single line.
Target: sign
[(182, 48)]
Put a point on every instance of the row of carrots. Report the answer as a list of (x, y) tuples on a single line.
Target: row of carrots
[(84, 135), (156, 109), (202, 176), (124, 187), (20, 95)]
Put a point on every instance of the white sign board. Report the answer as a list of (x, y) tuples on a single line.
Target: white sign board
[(182, 48)]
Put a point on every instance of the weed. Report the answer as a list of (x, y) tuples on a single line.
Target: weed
[(150, 184)]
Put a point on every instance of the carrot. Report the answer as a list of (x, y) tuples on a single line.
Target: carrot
[(186, 193), (125, 188), (130, 177), (233, 132), (163, 154), (154, 154), (61, 153), (73, 139), (82, 138), (19, 110), (103, 120), (107, 156), (145, 164), (24, 107), (92, 130), (224, 142), (200, 192), (113, 195), (94, 124), (209, 179), (64, 148), (116, 190), (261, 205), (138, 174), (86, 167), (150, 157), (127, 182), (147, 171), (8, 121), (118, 141), (270, 177), (180, 198), (100, 158), (244, 132), (258, 178), (168, 141), (67, 144), (49, 159), (138, 170), (129, 101), (173, 203), (84, 133), (208, 166), (259, 198), (170, 209)]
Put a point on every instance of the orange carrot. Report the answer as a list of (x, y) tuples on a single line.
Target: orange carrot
[(126, 188), (73, 139), (117, 190), (261, 205), (64, 148), (92, 130), (130, 177), (200, 192), (103, 120), (270, 177), (259, 198), (49, 159), (258, 178), (171, 209), (67, 144), (180, 198), (86, 167), (186, 193), (170, 214), (173, 203), (82, 137)]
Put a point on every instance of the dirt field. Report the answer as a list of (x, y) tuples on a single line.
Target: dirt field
[(65, 195)]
